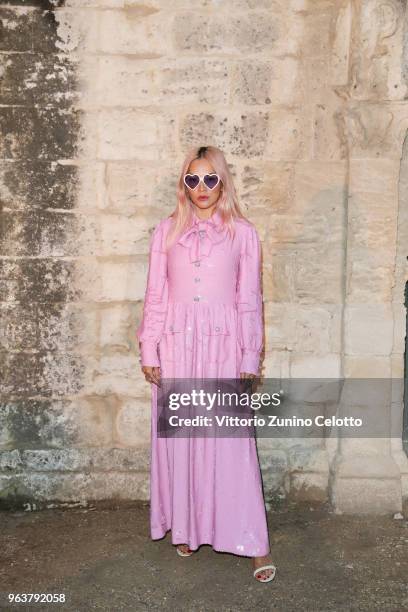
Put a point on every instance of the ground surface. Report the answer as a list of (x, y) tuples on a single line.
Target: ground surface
[(103, 559)]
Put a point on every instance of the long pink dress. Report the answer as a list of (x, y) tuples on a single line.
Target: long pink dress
[(202, 318)]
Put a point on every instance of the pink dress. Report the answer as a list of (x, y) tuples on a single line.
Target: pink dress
[(203, 318)]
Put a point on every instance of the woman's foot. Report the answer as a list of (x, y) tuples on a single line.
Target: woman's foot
[(184, 550), (260, 562)]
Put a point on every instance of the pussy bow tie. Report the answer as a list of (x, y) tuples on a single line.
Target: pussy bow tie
[(200, 238)]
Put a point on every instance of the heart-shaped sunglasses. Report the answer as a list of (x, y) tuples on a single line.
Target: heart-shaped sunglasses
[(193, 180)]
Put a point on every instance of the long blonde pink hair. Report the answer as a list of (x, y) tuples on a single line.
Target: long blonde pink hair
[(227, 204)]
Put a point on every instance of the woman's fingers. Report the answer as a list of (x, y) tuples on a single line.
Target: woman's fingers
[(152, 374), (156, 375)]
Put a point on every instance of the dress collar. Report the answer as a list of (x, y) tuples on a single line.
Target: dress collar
[(215, 219)]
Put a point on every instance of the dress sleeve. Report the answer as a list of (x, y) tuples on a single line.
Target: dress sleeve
[(249, 302), (151, 327)]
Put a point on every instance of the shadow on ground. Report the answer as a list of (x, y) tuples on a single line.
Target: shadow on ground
[(102, 558)]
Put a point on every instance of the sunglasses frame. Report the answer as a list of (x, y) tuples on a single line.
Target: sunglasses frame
[(201, 177)]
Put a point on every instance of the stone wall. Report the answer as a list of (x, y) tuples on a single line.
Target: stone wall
[(99, 102)]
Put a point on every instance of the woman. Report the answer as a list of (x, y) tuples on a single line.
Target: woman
[(203, 318)]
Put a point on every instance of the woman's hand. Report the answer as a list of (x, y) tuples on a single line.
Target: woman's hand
[(245, 375), (152, 374)]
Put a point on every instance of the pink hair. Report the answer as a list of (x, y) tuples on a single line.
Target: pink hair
[(227, 204)]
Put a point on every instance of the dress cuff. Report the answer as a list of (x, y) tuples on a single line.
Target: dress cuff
[(250, 362), (148, 354)]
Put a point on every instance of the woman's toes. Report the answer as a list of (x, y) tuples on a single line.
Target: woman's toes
[(184, 548), (264, 574)]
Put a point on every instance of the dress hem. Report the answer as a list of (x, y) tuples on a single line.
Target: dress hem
[(209, 543)]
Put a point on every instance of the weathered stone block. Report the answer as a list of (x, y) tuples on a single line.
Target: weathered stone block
[(117, 326), (367, 485), (275, 461), (121, 235), (95, 4), (317, 330), (123, 281), (38, 184), (277, 363), (38, 79), (242, 134), (54, 423), (144, 33), (47, 234), (67, 31), (278, 277), (374, 130), (397, 366), (38, 133), (329, 139), (16, 29), (288, 135), (368, 329), (377, 65), (76, 460), (131, 186), (374, 176), (319, 272), (49, 327), (306, 365), (132, 425), (46, 374), (18, 327), (279, 326), (308, 487), (128, 81), (221, 31), (366, 366), (372, 222), (118, 373), (37, 280), (266, 81), (267, 188), (91, 186), (38, 490), (370, 275), (308, 459), (319, 194), (131, 134)]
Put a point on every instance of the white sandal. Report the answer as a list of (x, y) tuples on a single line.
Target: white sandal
[(265, 567), (184, 554)]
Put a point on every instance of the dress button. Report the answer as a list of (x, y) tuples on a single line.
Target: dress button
[(197, 263), (196, 298), (196, 279), (217, 329)]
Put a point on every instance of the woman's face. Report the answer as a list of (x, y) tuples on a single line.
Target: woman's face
[(202, 166)]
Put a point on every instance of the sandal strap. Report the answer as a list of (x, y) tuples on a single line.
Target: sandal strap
[(264, 567)]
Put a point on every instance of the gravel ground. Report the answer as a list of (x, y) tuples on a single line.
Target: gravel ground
[(102, 558)]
